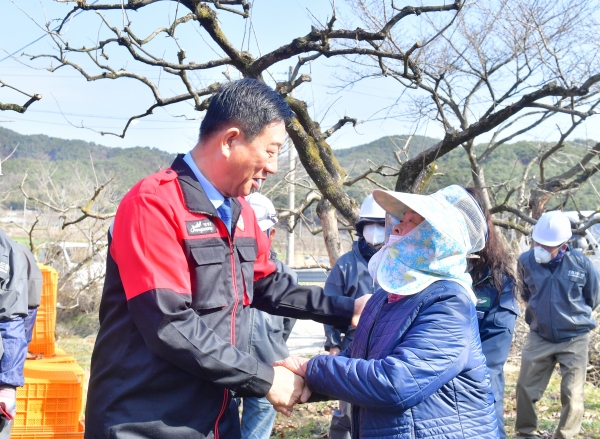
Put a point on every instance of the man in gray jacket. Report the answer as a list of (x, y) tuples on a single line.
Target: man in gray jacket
[(13, 344), (561, 289), (268, 333)]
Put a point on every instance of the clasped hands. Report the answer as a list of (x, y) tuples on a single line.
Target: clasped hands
[(289, 386)]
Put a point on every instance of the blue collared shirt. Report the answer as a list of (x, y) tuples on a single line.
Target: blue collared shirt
[(211, 192)]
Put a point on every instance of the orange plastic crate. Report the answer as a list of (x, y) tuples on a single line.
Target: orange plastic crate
[(60, 363), (60, 356), (29, 435), (42, 341), (50, 401), (49, 288)]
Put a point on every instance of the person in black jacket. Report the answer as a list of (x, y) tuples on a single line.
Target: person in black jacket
[(350, 277), (494, 285), (186, 263)]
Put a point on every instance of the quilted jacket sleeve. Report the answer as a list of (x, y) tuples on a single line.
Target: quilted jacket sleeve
[(433, 351)]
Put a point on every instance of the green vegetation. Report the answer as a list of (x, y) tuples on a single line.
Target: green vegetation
[(68, 161)]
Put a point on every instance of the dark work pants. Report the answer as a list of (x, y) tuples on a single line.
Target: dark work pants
[(341, 422)]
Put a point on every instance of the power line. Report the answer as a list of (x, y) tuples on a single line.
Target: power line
[(45, 35)]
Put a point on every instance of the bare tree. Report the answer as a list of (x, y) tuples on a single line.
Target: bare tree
[(16, 107), (501, 67), (69, 231), (118, 31)]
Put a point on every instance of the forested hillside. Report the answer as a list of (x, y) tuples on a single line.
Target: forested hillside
[(68, 163)]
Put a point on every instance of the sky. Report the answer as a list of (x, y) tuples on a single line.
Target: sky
[(69, 101)]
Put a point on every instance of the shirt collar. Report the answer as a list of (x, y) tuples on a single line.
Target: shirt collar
[(212, 193)]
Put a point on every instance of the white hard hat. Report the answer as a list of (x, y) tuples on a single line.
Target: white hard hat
[(263, 209), (370, 209), (553, 228)]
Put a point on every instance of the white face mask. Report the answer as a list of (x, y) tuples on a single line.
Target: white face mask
[(541, 255), (374, 234)]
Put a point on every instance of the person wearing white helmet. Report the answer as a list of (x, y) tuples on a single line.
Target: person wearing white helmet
[(268, 333), (350, 277), (561, 289)]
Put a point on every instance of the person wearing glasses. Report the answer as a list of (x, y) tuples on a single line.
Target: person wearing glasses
[(561, 289)]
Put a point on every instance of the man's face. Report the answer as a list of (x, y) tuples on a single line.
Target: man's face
[(249, 163)]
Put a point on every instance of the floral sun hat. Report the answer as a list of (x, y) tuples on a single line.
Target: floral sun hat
[(436, 249)]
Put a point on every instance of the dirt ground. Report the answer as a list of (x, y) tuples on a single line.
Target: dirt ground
[(312, 420)]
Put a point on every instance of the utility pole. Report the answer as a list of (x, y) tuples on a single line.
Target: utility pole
[(290, 255)]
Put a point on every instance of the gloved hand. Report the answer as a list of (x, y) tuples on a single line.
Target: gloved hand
[(8, 402)]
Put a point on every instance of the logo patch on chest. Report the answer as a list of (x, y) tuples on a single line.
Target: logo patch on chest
[(484, 302), (200, 227), (576, 274)]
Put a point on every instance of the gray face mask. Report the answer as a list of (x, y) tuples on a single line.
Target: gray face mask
[(541, 255)]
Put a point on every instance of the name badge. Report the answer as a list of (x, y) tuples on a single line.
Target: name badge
[(200, 227)]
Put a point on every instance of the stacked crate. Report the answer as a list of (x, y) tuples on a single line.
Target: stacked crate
[(50, 404)]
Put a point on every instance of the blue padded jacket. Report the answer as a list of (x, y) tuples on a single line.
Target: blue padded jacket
[(414, 370)]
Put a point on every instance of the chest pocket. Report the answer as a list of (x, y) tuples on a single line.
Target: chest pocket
[(210, 273), (247, 252), (576, 281)]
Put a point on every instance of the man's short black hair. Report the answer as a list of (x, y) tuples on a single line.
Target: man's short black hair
[(248, 103)]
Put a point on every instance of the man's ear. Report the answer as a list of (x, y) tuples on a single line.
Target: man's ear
[(228, 137)]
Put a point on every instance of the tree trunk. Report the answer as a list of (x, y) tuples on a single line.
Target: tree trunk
[(331, 234), (319, 161)]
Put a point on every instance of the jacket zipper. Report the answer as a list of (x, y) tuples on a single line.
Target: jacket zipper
[(366, 355), (232, 330)]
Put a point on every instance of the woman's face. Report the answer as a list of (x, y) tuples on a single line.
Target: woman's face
[(408, 222)]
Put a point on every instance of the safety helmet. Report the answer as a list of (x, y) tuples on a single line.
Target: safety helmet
[(370, 212), (552, 229), (370, 209), (263, 209)]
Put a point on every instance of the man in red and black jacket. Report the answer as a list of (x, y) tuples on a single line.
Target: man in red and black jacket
[(186, 261)]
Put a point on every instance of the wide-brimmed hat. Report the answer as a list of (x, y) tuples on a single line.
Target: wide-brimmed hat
[(452, 203)]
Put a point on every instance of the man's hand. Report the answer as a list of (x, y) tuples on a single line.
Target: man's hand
[(297, 365), (334, 350), (286, 390), (359, 305)]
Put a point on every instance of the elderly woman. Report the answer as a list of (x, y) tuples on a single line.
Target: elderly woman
[(415, 368)]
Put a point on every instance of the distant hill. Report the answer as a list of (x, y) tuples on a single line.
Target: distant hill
[(64, 159), (37, 154)]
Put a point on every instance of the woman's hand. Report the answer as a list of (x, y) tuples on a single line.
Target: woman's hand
[(297, 365)]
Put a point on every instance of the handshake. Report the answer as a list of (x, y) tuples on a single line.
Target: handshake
[(288, 386)]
